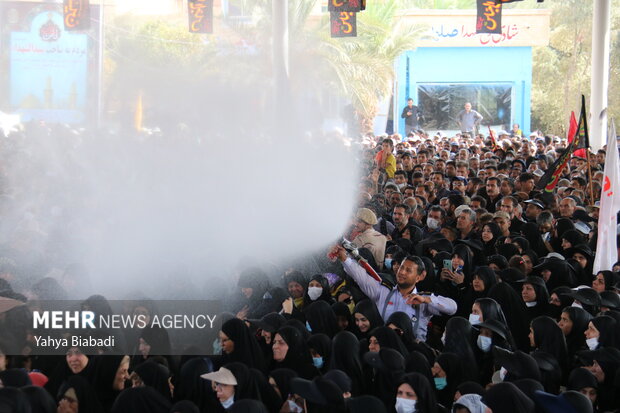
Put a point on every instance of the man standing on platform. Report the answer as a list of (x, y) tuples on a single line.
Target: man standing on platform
[(468, 120), (411, 114)]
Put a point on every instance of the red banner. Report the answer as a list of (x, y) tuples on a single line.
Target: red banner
[(343, 24), (489, 18), (200, 15), (76, 14)]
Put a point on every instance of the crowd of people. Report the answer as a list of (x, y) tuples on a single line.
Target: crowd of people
[(460, 287)]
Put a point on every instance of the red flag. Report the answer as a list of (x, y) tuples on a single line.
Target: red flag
[(493, 140), (572, 129), (549, 180)]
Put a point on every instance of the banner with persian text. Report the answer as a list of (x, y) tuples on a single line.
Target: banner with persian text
[(489, 18), (50, 72), (200, 16), (76, 14)]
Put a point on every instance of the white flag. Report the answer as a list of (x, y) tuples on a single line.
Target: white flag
[(606, 251)]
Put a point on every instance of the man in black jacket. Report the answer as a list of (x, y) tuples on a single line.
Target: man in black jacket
[(412, 115)]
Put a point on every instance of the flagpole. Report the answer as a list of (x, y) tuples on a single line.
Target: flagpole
[(591, 183)]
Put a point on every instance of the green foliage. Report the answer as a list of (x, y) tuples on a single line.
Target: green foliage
[(562, 70), (364, 64)]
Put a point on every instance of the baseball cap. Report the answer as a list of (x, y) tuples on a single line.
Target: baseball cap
[(535, 202)]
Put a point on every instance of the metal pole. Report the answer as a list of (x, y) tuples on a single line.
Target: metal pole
[(100, 79), (280, 56), (600, 73)]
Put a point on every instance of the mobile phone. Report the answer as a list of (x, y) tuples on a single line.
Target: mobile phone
[(447, 264)]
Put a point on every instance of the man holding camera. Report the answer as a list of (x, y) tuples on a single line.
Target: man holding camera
[(412, 116)]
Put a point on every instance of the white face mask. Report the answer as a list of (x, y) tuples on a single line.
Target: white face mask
[(531, 304), (502, 373), (576, 304), (484, 343), (294, 407), (474, 319), (592, 343), (432, 223), (405, 405), (314, 292), (228, 402)]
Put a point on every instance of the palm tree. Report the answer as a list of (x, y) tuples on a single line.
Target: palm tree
[(364, 65)]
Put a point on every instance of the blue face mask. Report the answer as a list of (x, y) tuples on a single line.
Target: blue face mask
[(217, 346), (388, 263), (318, 362), (226, 404), (441, 383), (308, 327)]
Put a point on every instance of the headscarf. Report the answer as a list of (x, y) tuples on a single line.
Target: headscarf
[(610, 279), (15, 378), (607, 330), (157, 338), (489, 246), (459, 340), (325, 294), (507, 398), (389, 368), (14, 401), (427, 403), (465, 253), (40, 400), (403, 322), (369, 310), (487, 275), (248, 406), (246, 349), (342, 310), (522, 244), (106, 367), (190, 386), (321, 318), (428, 283), (245, 388), (581, 378), (86, 397), (388, 338), (416, 362), (574, 237), (140, 400), (283, 378), (491, 310), (453, 367), (562, 273), (346, 357), (298, 356), (257, 280), (515, 312), (322, 344), (555, 311), (548, 337), (155, 375), (184, 406), (562, 225), (365, 404), (575, 340), (532, 234)]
